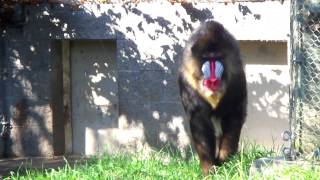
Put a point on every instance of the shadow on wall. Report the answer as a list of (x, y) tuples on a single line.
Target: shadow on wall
[(25, 78), (30, 67), (149, 110), (267, 108), (150, 113), (268, 80)]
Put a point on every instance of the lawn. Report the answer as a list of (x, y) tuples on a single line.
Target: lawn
[(167, 165)]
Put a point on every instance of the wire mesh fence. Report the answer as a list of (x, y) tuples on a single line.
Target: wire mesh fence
[(305, 76)]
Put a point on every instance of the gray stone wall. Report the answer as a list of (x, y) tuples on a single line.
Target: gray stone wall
[(149, 40)]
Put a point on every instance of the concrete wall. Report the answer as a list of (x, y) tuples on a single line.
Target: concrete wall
[(268, 81), (148, 47)]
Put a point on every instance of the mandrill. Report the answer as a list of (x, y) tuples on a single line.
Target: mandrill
[(213, 93)]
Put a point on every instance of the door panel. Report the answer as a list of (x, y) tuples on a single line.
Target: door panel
[(94, 94)]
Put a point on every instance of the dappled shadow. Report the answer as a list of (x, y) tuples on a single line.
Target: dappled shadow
[(128, 99), (268, 80), (268, 91), (196, 14), (26, 99), (146, 84), (246, 12)]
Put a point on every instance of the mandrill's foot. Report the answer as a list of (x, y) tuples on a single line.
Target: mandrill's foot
[(206, 166)]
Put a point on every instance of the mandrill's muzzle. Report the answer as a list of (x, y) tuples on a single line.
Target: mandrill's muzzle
[(212, 71)]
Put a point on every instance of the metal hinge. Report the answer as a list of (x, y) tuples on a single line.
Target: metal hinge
[(5, 127)]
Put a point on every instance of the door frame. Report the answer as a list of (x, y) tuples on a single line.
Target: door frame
[(67, 105)]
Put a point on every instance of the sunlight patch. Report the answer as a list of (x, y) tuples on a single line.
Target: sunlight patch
[(97, 78)]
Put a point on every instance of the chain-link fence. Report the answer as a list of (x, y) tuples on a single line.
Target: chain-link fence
[(305, 76)]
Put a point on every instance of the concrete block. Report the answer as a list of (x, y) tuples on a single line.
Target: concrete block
[(33, 85), (163, 123), (166, 126), (128, 86), (30, 141), (27, 113), (130, 112), (171, 88), (32, 130), (151, 85), (24, 54), (131, 56), (63, 22), (266, 166), (128, 56)]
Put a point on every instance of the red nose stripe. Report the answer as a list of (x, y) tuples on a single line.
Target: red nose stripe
[(212, 83)]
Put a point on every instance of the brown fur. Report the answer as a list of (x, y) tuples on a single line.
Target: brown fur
[(216, 118)]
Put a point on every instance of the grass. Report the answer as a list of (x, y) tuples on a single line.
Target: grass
[(164, 165)]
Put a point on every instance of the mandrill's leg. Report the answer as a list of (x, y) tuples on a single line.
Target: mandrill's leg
[(203, 139), (229, 140)]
